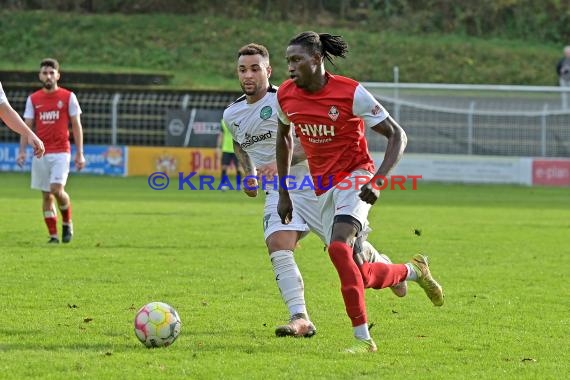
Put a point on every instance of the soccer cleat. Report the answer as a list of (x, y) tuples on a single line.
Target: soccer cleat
[(298, 326), (66, 233), (362, 346), (53, 240), (371, 255), (433, 290)]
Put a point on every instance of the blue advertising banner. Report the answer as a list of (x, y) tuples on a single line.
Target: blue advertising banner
[(100, 159)]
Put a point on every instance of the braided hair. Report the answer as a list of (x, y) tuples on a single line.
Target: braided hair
[(325, 44)]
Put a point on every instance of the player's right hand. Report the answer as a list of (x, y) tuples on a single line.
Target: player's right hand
[(21, 159), (285, 208), (251, 188), (37, 144), (369, 193)]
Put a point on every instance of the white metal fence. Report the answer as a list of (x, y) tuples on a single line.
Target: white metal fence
[(450, 119), (478, 119)]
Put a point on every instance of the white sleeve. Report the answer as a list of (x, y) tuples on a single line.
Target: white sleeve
[(29, 111), (280, 114), (74, 108), (3, 98), (367, 107)]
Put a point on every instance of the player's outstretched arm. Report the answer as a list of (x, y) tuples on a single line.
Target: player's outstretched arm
[(15, 123)]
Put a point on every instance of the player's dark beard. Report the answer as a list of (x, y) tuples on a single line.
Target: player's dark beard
[(48, 85)]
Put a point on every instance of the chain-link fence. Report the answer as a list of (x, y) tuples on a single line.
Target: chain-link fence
[(449, 119), (478, 119), (128, 118)]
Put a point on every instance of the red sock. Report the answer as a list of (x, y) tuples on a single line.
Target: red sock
[(351, 284), (50, 218), (381, 275), (66, 213)]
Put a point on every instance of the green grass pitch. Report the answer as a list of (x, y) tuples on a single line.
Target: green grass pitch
[(502, 254)]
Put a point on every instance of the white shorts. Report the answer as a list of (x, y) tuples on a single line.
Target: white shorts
[(345, 201), (306, 211), (306, 205), (51, 168), (306, 215)]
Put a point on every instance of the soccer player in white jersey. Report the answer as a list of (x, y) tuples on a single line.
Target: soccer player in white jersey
[(252, 121), (11, 118), (329, 114)]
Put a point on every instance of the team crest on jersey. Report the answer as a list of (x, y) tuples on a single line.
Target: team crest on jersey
[(265, 112), (376, 110), (333, 113), (60, 104)]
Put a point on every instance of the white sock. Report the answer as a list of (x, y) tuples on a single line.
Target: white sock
[(412, 275), (289, 281), (361, 331)]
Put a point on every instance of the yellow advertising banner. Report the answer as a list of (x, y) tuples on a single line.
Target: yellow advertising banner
[(143, 161)]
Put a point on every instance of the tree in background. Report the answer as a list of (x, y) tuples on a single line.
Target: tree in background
[(547, 20)]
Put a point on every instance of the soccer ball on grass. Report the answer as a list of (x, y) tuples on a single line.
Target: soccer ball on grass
[(157, 324)]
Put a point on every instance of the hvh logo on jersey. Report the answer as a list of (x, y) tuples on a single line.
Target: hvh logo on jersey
[(49, 115), (333, 113), (316, 130)]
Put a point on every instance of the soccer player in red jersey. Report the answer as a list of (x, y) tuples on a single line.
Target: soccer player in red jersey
[(11, 118), (329, 114), (51, 110), (251, 122)]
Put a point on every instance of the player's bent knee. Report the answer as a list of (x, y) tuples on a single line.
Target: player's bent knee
[(345, 228), (282, 240)]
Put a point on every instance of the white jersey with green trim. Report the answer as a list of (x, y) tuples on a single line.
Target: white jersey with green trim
[(254, 126)]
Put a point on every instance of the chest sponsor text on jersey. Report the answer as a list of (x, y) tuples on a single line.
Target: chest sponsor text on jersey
[(250, 140), (317, 133), (49, 116)]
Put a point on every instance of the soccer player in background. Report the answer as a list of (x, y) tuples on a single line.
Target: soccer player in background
[(51, 109), (329, 114), (252, 121), (11, 118), (226, 145)]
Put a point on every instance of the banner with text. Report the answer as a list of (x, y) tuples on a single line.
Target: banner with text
[(464, 169), (99, 159), (551, 172), (197, 127), (171, 160)]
